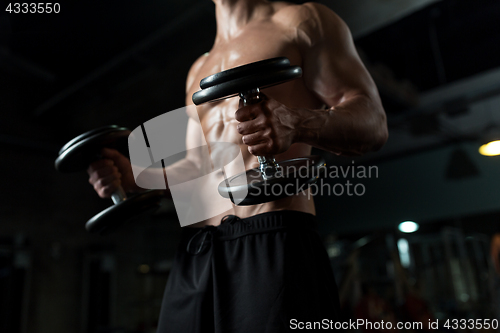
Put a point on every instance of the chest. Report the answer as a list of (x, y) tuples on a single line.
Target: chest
[(253, 44)]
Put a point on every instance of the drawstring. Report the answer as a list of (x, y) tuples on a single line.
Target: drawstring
[(230, 219), (209, 230), (206, 230)]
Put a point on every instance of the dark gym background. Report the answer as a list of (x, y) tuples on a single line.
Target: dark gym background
[(437, 66)]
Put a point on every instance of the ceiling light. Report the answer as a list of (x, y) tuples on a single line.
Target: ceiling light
[(491, 148), (490, 141), (408, 226)]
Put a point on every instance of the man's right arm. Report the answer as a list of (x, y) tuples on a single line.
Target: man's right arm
[(115, 170)]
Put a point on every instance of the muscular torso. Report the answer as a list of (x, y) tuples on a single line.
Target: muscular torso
[(262, 39)]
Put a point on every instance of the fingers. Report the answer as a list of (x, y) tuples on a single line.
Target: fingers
[(256, 132), (252, 126), (252, 111), (105, 186), (109, 157), (247, 113), (261, 130), (256, 138), (105, 191), (104, 176), (262, 149), (102, 172)]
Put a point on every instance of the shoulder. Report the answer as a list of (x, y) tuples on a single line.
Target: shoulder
[(312, 21), (307, 12)]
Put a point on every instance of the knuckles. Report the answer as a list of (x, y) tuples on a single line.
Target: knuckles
[(107, 190), (240, 128), (250, 112), (104, 172), (243, 114), (101, 178), (260, 128), (105, 177), (267, 147)]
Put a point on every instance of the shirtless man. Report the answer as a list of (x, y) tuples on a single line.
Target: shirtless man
[(264, 266)]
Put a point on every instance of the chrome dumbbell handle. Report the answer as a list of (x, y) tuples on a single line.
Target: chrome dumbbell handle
[(118, 195)]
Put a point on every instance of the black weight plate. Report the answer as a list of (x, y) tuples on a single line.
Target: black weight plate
[(296, 175), (233, 87), (79, 155), (244, 70), (86, 135), (114, 216)]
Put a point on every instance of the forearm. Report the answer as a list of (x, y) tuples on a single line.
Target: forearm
[(179, 172), (353, 127)]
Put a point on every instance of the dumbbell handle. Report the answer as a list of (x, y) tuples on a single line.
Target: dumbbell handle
[(118, 195), (268, 165)]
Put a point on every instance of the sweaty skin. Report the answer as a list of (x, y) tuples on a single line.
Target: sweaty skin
[(335, 106)]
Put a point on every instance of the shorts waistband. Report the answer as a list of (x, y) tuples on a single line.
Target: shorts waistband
[(233, 227)]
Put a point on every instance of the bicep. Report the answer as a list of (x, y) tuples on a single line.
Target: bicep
[(332, 67)]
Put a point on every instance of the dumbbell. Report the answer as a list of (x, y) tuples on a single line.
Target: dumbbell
[(79, 153), (292, 176)]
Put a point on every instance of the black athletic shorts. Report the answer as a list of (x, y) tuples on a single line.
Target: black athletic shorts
[(268, 273)]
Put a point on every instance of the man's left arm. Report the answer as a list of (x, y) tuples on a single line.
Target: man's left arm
[(354, 123)]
